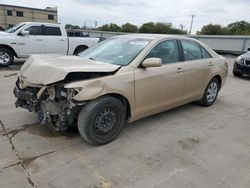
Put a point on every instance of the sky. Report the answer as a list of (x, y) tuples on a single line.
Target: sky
[(138, 12)]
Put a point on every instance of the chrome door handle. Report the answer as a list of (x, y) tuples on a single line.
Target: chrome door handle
[(62, 40), (39, 40), (211, 64), (179, 70)]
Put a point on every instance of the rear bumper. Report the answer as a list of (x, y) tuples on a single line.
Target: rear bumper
[(242, 69)]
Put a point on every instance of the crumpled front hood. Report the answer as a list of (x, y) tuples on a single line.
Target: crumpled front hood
[(4, 33), (47, 69)]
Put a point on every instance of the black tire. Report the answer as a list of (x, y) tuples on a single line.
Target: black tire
[(207, 100), (101, 120), (80, 49), (4, 52), (237, 74)]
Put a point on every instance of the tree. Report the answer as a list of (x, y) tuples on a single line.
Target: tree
[(236, 28), (160, 28), (110, 27), (69, 27), (147, 28), (128, 27), (163, 28), (211, 29), (239, 28)]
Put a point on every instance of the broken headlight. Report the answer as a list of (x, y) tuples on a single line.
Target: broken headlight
[(74, 91)]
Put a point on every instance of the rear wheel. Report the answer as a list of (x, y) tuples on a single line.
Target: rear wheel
[(80, 49), (6, 57), (101, 120), (211, 93)]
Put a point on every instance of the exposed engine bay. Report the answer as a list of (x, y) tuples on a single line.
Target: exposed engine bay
[(53, 103)]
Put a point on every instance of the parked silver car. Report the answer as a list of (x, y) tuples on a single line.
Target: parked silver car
[(242, 65)]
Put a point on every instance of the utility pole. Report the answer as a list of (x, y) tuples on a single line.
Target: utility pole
[(85, 25), (191, 26), (96, 23)]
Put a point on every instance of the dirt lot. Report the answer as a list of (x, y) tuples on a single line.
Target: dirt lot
[(190, 146)]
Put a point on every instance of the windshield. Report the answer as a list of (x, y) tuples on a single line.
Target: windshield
[(14, 28), (117, 50)]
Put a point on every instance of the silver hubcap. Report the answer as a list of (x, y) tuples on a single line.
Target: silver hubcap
[(4, 57), (212, 92)]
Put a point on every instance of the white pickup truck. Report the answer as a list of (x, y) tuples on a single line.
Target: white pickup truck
[(29, 38)]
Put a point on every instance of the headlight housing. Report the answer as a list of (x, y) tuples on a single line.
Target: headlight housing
[(74, 91), (239, 60)]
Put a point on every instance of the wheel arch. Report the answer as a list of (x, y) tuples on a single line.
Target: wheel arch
[(219, 78), (9, 48), (124, 100), (80, 46)]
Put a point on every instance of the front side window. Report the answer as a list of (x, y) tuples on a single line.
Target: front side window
[(168, 51), (117, 50), (52, 31), (19, 13), (192, 50), (34, 30)]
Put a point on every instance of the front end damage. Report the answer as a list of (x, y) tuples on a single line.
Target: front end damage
[(52, 103)]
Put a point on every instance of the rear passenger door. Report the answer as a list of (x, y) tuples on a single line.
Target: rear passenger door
[(55, 41), (197, 69)]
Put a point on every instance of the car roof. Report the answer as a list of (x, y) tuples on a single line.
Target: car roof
[(54, 24), (155, 36)]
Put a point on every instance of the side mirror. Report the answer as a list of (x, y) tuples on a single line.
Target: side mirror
[(24, 33), (152, 62)]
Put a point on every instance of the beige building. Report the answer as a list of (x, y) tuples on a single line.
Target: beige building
[(11, 15)]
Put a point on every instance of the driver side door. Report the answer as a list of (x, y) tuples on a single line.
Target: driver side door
[(32, 43), (160, 88)]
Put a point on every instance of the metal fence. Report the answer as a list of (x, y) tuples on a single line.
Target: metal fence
[(220, 43)]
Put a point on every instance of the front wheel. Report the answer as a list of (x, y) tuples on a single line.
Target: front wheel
[(211, 93), (6, 57), (101, 120)]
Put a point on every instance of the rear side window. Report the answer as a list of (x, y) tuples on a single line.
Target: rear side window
[(192, 50), (34, 30), (52, 31), (167, 50), (205, 53)]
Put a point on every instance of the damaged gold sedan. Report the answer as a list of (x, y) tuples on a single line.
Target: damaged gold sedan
[(120, 80)]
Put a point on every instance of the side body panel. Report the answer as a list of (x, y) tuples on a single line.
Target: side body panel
[(56, 44), (74, 42), (158, 89)]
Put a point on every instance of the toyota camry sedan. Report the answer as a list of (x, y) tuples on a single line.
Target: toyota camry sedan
[(120, 80)]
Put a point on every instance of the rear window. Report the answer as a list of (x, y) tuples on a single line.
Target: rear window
[(205, 53), (192, 50), (52, 31)]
